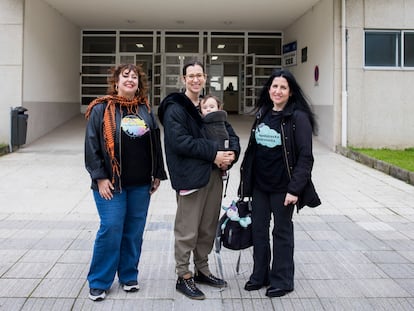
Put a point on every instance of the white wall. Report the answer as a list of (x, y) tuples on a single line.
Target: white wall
[(316, 31), (11, 46), (51, 68), (381, 102)]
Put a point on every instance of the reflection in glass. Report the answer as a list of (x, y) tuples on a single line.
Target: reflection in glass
[(99, 45)]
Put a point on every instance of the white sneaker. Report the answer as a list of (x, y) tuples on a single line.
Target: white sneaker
[(96, 294), (131, 286)]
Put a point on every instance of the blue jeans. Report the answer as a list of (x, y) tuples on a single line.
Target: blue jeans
[(119, 238)]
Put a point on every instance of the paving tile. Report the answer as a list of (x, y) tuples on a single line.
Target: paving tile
[(68, 271), (30, 234), (296, 304), (384, 304), (388, 256), (53, 244), (390, 235), (6, 233), (401, 245), (11, 304), (408, 234), (31, 270), (407, 254), (407, 285), (10, 255), (325, 235), (385, 288), (399, 271), (40, 256), (76, 256), (375, 226), (59, 288), (50, 304), (17, 244), (17, 288)]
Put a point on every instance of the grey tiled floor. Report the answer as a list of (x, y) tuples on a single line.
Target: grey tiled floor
[(354, 252)]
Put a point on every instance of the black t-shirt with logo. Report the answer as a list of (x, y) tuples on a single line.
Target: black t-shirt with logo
[(270, 173), (135, 151)]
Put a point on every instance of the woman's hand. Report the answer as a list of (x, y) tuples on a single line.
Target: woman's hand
[(224, 159), (155, 185), (290, 199), (105, 189)]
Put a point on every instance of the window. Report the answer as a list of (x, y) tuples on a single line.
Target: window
[(409, 49), (137, 44), (389, 48), (181, 43), (99, 44), (265, 46)]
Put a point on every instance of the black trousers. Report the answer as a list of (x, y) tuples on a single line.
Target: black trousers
[(281, 272)]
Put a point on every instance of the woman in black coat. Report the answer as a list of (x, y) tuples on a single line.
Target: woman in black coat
[(275, 172)]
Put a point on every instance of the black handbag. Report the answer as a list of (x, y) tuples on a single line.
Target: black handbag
[(232, 234), (236, 233)]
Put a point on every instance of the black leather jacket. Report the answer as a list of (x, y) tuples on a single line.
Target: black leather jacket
[(296, 131), (97, 160)]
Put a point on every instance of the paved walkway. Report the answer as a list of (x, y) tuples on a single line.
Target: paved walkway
[(354, 252)]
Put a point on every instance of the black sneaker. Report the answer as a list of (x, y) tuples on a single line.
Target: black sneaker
[(189, 289), (209, 280), (131, 286), (96, 294)]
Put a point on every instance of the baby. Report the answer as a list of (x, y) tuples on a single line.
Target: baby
[(215, 119)]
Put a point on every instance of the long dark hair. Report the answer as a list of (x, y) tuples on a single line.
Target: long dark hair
[(298, 98)]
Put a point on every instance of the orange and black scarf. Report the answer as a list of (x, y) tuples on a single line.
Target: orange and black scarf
[(109, 123)]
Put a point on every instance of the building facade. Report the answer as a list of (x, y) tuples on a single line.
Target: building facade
[(354, 59)]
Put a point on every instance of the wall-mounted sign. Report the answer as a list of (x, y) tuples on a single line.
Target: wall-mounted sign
[(289, 54), (316, 75), (304, 54)]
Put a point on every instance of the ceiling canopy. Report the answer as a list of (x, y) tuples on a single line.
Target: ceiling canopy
[(260, 15)]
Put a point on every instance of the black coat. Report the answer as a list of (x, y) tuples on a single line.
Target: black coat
[(296, 131), (190, 155), (97, 160)]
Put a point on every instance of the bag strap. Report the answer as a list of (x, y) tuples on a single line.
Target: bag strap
[(217, 249), (227, 183), (238, 263)]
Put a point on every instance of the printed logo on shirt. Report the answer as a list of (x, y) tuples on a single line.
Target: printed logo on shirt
[(266, 136), (133, 126)]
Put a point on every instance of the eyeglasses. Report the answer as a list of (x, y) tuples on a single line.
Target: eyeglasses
[(199, 76)]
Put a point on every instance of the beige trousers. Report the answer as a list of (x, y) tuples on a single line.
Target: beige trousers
[(195, 225)]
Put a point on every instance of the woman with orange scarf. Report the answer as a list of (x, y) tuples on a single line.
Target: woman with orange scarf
[(123, 156)]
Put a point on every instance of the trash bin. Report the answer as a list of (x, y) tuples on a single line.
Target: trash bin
[(18, 126)]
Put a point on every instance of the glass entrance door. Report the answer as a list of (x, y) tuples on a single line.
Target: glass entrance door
[(214, 84), (249, 83), (225, 73), (243, 58)]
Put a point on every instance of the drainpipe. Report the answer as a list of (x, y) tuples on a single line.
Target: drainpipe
[(344, 138)]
